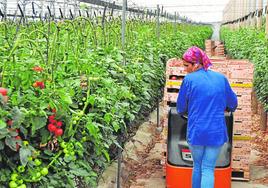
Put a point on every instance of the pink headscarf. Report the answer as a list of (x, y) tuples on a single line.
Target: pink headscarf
[(195, 55)]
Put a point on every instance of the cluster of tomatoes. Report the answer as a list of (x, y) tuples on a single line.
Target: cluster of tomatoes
[(55, 126), (39, 84)]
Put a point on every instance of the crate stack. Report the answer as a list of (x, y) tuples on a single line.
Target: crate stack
[(174, 76), (240, 76), (214, 48), (241, 79), (209, 45), (219, 50)]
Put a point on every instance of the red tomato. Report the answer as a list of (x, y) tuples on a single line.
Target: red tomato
[(58, 132), (35, 84), (3, 91), (41, 85), (52, 128), (17, 145), (9, 122), (59, 123), (38, 69)]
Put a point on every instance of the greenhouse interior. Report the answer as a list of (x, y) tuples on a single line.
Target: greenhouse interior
[(133, 94)]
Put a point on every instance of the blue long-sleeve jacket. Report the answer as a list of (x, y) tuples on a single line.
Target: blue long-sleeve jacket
[(204, 95)]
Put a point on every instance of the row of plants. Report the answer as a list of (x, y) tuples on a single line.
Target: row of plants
[(250, 43), (68, 90)]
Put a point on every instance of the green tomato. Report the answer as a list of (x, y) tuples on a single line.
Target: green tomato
[(63, 144), (70, 146), (84, 132), (14, 177), (38, 174), (73, 158), (66, 155), (37, 162), (20, 181), (34, 178), (12, 184), (74, 122), (65, 150), (25, 143), (84, 99), (30, 158), (21, 168), (72, 153), (84, 139), (22, 186), (44, 171)]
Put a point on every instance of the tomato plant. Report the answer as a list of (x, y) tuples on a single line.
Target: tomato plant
[(72, 90), (249, 43)]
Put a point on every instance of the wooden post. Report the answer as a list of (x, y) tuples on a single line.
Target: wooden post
[(259, 19)]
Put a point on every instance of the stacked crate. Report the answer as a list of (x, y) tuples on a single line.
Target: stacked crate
[(219, 50), (209, 45), (214, 48), (174, 76), (241, 78)]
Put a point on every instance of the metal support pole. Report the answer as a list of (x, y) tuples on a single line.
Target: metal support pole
[(64, 9), (124, 8), (157, 114), (259, 19), (266, 27), (5, 8), (175, 22), (158, 23)]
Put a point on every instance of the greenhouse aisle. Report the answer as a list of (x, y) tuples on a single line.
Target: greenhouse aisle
[(141, 166)]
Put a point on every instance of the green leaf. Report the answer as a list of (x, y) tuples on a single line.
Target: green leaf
[(116, 126), (1, 145), (91, 100), (93, 130), (79, 172), (48, 152), (11, 143), (24, 154), (106, 154), (45, 135), (38, 123), (66, 97), (3, 133), (2, 124), (107, 117)]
